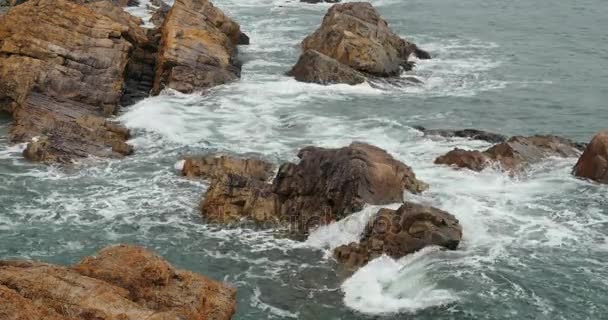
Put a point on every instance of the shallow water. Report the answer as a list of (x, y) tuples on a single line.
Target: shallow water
[(535, 247)]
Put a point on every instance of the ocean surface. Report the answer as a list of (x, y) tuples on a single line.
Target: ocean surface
[(535, 246)]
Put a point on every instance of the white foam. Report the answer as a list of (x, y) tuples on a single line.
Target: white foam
[(386, 286)]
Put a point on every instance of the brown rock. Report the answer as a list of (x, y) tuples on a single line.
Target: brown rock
[(514, 154), (593, 163), (233, 197), (318, 68), (400, 232), (355, 35), (121, 283), (217, 167), (197, 49), (61, 74), (329, 184)]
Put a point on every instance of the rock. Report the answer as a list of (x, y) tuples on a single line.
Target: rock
[(216, 167), (400, 232), (356, 36), (62, 69), (122, 282), (198, 48), (593, 163), (234, 197), (464, 133), (160, 14), (318, 68), (514, 154), (329, 184), (326, 185)]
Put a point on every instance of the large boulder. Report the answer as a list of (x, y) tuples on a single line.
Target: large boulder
[(326, 185), (400, 232), (329, 184), (514, 154), (122, 282), (198, 48), (62, 69), (355, 35), (593, 163)]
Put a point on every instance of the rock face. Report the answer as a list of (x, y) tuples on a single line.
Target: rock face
[(326, 185), (464, 133), (400, 232), (593, 164), (512, 155), (198, 48), (355, 35), (123, 282), (61, 76)]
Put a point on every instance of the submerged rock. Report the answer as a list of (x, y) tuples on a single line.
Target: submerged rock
[(464, 133), (326, 185), (354, 35), (122, 282), (514, 154), (198, 48), (400, 232), (593, 163)]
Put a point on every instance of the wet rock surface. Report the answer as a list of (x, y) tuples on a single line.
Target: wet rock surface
[(198, 48), (400, 232), (316, 67), (593, 163), (121, 282), (217, 166), (514, 154), (354, 35)]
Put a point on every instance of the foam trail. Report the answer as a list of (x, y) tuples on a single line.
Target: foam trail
[(387, 286)]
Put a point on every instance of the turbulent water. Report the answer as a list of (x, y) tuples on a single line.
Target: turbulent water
[(535, 246)]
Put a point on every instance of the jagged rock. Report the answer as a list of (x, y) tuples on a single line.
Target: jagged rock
[(198, 48), (514, 154), (593, 163), (400, 232), (216, 167), (62, 69), (122, 282), (356, 36), (319, 68), (464, 133)]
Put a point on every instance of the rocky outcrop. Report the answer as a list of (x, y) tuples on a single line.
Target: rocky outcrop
[(159, 15), (198, 48), (400, 232), (319, 68), (593, 163), (354, 35), (122, 282), (62, 75), (473, 134), (514, 154), (326, 185)]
